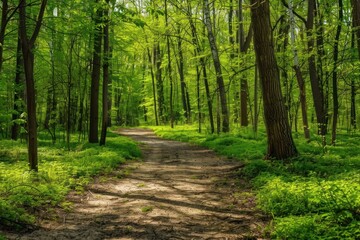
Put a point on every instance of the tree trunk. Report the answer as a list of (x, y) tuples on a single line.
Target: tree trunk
[(256, 102), (105, 98), (335, 79), (159, 82), (280, 141), (202, 61), (4, 12), (198, 96), (69, 88), (95, 78), (244, 44), (19, 92), (169, 68), (28, 45), (317, 91), (356, 26), (184, 91), (299, 77), (50, 115), (152, 65), (217, 66)]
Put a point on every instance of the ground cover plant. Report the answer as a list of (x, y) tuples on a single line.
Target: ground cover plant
[(313, 196), (24, 194)]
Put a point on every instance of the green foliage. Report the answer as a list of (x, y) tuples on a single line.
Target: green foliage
[(23, 193), (313, 196)]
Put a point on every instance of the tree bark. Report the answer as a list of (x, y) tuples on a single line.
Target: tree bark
[(159, 81), (105, 98), (28, 46), (169, 67), (184, 92), (217, 66), (356, 26), (95, 78), (19, 91), (280, 141), (244, 44), (202, 61), (334, 77), (299, 77), (317, 91), (153, 85)]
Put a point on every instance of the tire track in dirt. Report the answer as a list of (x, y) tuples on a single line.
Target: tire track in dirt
[(177, 191)]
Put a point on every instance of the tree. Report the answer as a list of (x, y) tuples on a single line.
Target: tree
[(280, 142), (95, 77), (217, 65), (335, 73), (18, 92), (298, 73), (356, 34), (316, 87), (105, 100), (28, 47)]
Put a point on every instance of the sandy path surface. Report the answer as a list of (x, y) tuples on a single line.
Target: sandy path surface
[(177, 191)]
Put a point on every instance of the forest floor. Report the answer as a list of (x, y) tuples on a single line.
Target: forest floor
[(176, 191)]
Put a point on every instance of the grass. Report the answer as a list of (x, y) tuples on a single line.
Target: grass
[(23, 194), (146, 209), (313, 196)]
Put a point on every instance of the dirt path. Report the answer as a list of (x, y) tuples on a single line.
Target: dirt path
[(178, 191)]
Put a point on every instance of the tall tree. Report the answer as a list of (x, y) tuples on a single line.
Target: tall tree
[(19, 91), (244, 44), (6, 15), (217, 66), (317, 91), (199, 51), (280, 141), (335, 72), (356, 34), (298, 73), (105, 100), (28, 47), (169, 66), (95, 76)]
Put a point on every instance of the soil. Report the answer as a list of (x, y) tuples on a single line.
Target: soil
[(176, 191)]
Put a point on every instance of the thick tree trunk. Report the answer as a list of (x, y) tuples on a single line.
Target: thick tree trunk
[(280, 141), (95, 78), (217, 66)]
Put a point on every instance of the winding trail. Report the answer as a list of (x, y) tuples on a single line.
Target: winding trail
[(177, 191)]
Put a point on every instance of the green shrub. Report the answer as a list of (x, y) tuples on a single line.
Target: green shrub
[(24, 193), (313, 196)]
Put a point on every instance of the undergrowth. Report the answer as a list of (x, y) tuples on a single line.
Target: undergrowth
[(24, 193), (313, 196)]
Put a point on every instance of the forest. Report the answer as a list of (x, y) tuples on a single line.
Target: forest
[(270, 86)]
